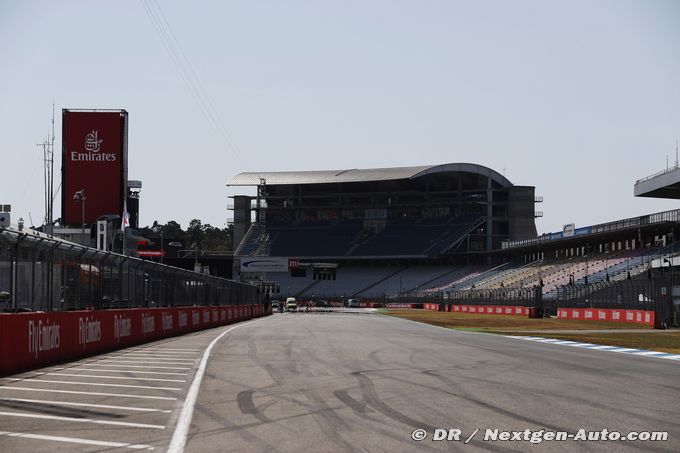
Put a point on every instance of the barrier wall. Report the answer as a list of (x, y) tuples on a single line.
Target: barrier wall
[(510, 310), (602, 314), (31, 340), (395, 306)]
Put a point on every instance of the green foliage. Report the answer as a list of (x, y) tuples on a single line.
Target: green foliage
[(205, 236)]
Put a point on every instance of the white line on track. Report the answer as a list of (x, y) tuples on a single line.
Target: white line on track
[(122, 371), (156, 352), (94, 421), (179, 437), (97, 384), (138, 366), (98, 406), (154, 362), (165, 349), (147, 359), (161, 361), (116, 377), (76, 440), (131, 355), (184, 355), (78, 392)]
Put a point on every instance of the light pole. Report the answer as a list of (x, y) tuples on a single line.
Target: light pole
[(79, 197)]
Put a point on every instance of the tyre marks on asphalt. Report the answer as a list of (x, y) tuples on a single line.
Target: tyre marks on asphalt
[(372, 399), (247, 406), (450, 383), (295, 361), (329, 422), (360, 407)]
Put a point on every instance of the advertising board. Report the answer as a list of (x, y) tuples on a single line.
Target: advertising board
[(94, 161)]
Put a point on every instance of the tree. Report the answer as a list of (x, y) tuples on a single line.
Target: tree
[(205, 236), (195, 233)]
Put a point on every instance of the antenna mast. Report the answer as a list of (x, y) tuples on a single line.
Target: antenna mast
[(45, 144), (50, 220), (48, 178)]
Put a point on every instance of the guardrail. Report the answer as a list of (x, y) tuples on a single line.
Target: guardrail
[(657, 174)]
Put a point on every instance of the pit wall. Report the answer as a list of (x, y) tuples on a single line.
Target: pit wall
[(612, 315), (32, 340)]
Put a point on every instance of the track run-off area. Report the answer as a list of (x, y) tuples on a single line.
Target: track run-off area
[(337, 382)]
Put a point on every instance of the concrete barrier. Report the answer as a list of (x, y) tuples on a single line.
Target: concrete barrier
[(398, 306), (32, 340), (509, 310), (604, 314)]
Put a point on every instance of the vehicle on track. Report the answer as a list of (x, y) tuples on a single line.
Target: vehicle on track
[(291, 304), (353, 303)]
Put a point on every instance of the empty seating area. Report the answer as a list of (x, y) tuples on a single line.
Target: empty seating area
[(424, 238), (408, 278), (369, 282), (313, 238), (348, 282), (556, 273), (403, 237)]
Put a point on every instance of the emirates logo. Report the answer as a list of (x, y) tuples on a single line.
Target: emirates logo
[(93, 145), (93, 142)]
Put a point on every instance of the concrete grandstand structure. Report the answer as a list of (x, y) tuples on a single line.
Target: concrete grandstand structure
[(454, 232), (382, 219)]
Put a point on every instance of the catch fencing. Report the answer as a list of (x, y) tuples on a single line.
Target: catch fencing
[(41, 273)]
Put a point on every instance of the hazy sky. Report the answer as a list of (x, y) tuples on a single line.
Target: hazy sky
[(578, 98)]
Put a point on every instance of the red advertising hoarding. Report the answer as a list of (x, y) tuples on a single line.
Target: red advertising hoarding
[(32, 340), (605, 314), (94, 160)]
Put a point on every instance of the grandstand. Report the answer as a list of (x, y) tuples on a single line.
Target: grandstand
[(366, 214), (386, 231), (448, 232)]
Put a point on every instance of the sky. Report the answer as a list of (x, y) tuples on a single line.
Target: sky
[(577, 98)]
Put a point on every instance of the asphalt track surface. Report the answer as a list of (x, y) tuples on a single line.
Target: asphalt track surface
[(299, 382)]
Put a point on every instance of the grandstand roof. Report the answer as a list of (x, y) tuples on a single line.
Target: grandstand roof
[(362, 175), (664, 184)]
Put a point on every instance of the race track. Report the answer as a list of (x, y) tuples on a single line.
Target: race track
[(349, 382)]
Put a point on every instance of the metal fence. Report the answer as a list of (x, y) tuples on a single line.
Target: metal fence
[(41, 273), (499, 296), (657, 290), (638, 294), (525, 297)]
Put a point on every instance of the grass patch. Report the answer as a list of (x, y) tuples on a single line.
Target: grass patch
[(654, 340), (504, 323)]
